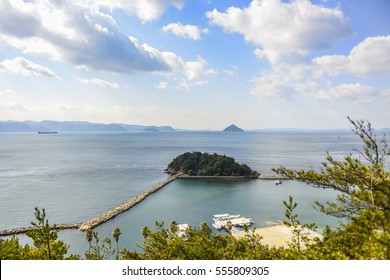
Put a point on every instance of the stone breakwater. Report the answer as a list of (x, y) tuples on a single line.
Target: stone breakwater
[(26, 229), (125, 206), (102, 218)]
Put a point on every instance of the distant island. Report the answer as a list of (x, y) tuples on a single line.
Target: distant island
[(233, 128), (205, 164), (77, 126)]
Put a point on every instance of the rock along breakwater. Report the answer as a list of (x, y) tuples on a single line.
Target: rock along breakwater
[(20, 230), (102, 218), (126, 205)]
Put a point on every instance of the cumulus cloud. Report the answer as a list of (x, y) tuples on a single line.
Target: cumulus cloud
[(82, 35), (100, 82), (146, 10), (22, 66), (354, 92), (195, 70), (285, 32), (370, 57), (187, 31)]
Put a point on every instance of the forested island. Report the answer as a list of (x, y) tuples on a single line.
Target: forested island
[(205, 164)]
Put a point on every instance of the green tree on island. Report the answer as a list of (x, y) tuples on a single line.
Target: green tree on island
[(205, 164)]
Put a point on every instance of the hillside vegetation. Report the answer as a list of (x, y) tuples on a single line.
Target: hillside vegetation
[(204, 164)]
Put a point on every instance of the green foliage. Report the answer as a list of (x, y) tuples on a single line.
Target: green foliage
[(299, 230), (115, 234), (198, 244), (364, 199), (204, 164), (45, 243), (10, 249), (98, 250)]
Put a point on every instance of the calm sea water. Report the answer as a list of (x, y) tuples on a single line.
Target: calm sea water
[(78, 176)]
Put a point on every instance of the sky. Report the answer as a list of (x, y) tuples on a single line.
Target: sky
[(196, 64)]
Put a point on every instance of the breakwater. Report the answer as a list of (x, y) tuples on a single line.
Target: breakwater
[(102, 218), (125, 206), (20, 230)]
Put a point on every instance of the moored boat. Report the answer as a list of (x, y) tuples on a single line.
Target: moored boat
[(224, 217)]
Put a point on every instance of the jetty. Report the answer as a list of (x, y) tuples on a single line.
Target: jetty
[(125, 206), (102, 218), (21, 230)]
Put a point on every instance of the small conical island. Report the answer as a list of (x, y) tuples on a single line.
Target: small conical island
[(197, 164), (233, 128)]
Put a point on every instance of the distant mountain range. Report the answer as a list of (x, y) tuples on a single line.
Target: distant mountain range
[(81, 126), (77, 126)]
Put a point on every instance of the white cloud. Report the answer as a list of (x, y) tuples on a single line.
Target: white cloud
[(146, 10), (86, 36), (81, 34), (22, 66), (195, 70), (370, 57), (163, 86), (273, 84), (13, 107), (187, 31), (232, 71), (285, 32), (354, 92), (386, 94), (99, 82)]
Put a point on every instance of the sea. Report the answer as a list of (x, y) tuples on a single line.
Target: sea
[(78, 176)]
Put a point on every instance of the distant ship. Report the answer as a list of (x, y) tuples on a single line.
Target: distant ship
[(47, 132)]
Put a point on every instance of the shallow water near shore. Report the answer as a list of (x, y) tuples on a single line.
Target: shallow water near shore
[(78, 176)]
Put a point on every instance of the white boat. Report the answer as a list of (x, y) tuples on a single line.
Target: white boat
[(224, 217), (278, 182), (235, 221)]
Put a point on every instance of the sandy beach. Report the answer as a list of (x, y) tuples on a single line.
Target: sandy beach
[(278, 235)]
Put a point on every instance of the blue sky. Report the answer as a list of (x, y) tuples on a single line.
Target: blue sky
[(196, 64)]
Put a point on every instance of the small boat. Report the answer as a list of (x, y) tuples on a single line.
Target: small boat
[(224, 217), (278, 182), (222, 221)]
